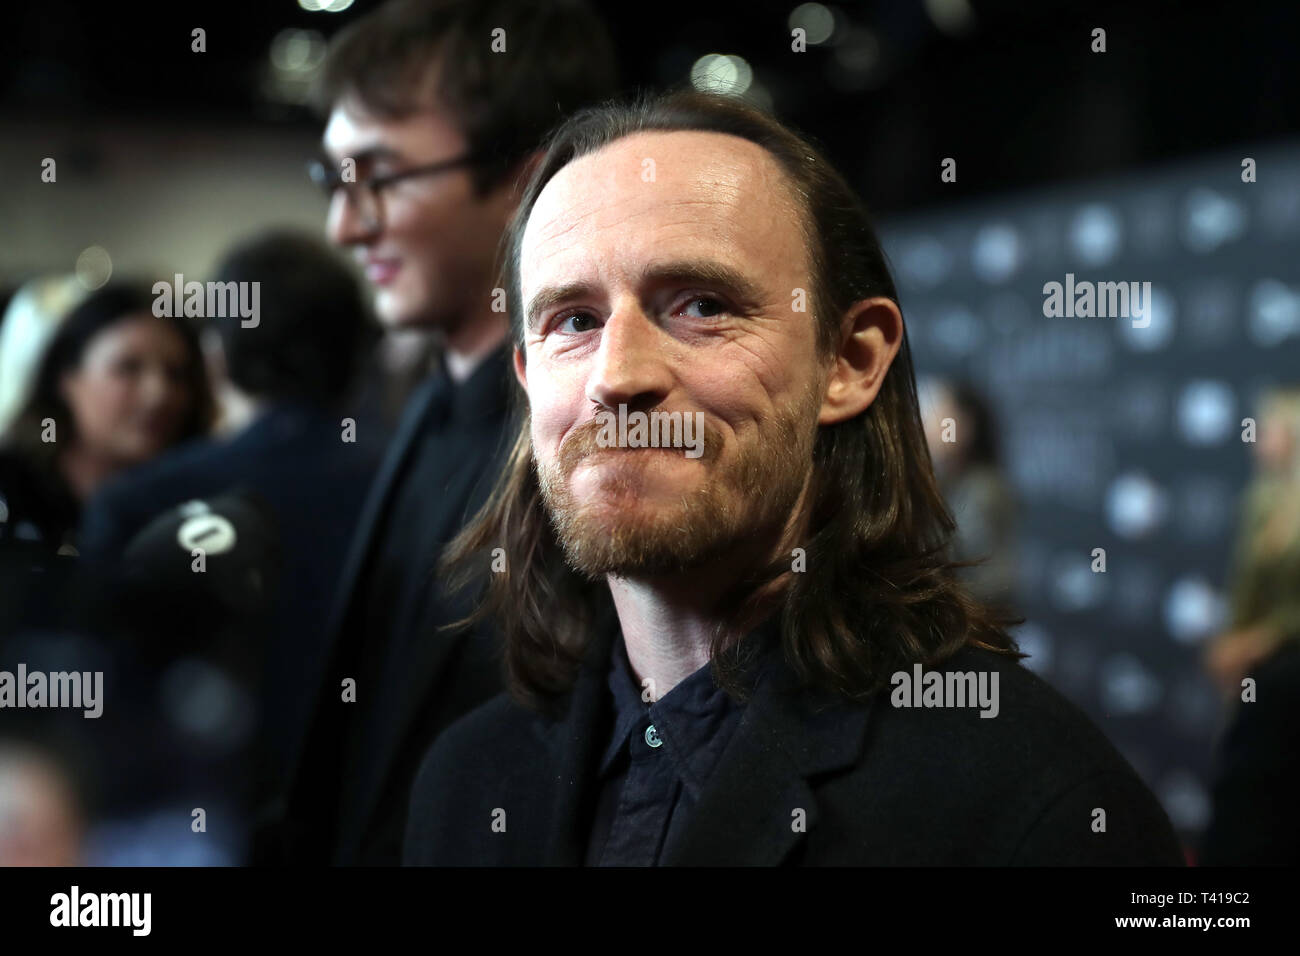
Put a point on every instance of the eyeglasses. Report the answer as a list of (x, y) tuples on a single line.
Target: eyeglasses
[(367, 195)]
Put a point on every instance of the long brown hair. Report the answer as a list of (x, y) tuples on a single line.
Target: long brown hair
[(116, 302), (878, 593)]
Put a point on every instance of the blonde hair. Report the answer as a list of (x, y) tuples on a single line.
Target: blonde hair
[(1274, 505)]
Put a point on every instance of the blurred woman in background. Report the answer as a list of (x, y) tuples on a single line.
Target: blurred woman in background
[(962, 435), (1257, 769), (116, 387), (1264, 577)]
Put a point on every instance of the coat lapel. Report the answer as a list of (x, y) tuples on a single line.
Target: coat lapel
[(758, 807), (424, 656), (575, 742), (426, 650), (376, 500)]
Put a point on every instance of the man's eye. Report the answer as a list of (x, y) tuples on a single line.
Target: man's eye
[(711, 306), (581, 322)]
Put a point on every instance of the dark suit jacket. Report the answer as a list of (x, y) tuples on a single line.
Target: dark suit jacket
[(879, 785), (443, 674), (1257, 783), (313, 485)]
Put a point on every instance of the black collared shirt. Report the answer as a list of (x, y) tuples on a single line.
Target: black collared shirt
[(659, 757)]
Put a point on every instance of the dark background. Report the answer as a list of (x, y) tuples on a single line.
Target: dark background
[(1019, 97)]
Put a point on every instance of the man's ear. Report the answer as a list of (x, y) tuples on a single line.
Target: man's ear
[(521, 371), (871, 335)]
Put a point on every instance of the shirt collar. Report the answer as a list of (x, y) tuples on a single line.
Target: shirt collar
[(485, 394), (629, 707), (694, 719)]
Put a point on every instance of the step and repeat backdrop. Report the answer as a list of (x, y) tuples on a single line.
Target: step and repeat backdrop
[(1120, 331)]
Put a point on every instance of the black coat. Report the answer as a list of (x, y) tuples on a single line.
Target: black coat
[(1257, 780), (442, 676), (878, 785)]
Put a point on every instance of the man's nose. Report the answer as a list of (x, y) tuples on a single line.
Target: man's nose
[(632, 365), (345, 226)]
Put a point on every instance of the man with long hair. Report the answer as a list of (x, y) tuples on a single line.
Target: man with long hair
[(753, 650)]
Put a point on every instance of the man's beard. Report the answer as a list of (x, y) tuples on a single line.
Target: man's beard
[(749, 498)]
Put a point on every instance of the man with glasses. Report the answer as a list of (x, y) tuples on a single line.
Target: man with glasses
[(436, 111), (405, 355)]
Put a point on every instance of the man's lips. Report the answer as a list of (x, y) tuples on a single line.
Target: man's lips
[(382, 271), (614, 461), (616, 453)]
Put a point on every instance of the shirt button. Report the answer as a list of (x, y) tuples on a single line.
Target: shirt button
[(652, 737)]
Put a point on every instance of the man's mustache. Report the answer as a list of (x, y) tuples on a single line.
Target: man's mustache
[(584, 441)]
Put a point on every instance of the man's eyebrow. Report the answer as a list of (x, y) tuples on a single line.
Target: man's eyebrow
[(706, 272), (702, 272), (552, 295)]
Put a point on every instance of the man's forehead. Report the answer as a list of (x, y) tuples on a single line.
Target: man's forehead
[(352, 129), (686, 165), (700, 188)]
